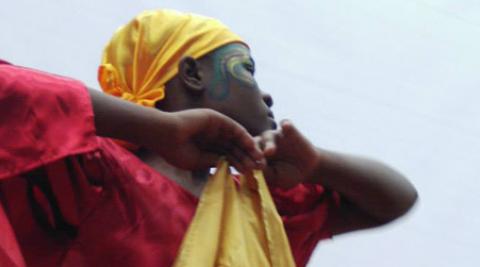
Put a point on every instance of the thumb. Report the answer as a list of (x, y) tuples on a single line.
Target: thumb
[(288, 129)]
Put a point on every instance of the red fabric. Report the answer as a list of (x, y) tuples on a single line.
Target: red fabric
[(305, 210), (69, 198), (40, 120)]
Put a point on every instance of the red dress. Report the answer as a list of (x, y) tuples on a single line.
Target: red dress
[(71, 198)]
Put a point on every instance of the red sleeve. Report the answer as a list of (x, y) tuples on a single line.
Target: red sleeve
[(43, 118), (305, 210)]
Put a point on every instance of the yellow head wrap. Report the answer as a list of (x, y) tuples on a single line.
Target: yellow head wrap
[(143, 55)]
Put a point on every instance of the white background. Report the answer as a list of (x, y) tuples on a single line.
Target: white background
[(396, 80)]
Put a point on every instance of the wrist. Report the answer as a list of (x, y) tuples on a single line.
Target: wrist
[(319, 170), (156, 128)]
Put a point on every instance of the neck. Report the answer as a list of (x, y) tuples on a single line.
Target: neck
[(191, 181)]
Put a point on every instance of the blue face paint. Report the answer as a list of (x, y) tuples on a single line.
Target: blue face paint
[(232, 63)]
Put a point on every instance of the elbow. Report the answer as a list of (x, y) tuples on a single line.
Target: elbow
[(406, 201), (410, 199), (398, 206)]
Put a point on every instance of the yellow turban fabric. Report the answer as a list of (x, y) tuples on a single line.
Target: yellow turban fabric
[(235, 226), (143, 55)]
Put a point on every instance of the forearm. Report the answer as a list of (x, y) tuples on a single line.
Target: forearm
[(124, 120), (376, 189), (191, 139)]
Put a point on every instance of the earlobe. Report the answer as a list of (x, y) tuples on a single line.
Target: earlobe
[(190, 75)]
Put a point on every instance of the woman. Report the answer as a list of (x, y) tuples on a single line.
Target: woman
[(93, 203), (174, 61)]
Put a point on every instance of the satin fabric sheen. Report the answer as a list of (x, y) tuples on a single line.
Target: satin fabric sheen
[(235, 225), (144, 54), (70, 198)]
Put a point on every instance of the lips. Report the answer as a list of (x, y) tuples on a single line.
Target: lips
[(273, 123), (270, 114), (271, 118)]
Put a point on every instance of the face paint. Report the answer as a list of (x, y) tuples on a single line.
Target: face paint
[(231, 63), (241, 67)]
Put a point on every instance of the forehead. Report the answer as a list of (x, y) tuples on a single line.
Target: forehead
[(229, 50)]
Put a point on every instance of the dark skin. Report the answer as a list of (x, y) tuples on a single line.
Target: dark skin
[(223, 81), (192, 139)]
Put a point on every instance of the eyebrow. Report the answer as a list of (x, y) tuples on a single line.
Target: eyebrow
[(241, 54)]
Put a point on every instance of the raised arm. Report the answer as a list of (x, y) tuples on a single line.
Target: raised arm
[(45, 117), (372, 192), (185, 138), (375, 192)]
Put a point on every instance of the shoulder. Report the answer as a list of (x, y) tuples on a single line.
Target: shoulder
[(4, 62)]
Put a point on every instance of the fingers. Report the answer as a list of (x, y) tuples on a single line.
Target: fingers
[(246, 143), (272, 142), (234, 155), (241, 145), (288, 128), (293, 136), (203, 135), (267, 142), (243, 162), (238, 158)]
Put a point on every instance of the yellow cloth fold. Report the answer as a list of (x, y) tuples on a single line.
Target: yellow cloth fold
[(143, 55), (235, 226)]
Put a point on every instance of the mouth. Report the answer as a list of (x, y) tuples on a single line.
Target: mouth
[(270, 114), (271, 118), (273, 123)]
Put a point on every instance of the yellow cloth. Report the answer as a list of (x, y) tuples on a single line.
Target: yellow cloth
[(235, 226), (143, 55)]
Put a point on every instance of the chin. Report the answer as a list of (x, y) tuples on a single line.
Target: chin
[(268, 125)]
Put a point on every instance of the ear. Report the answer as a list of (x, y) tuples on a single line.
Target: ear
[(190, 75)]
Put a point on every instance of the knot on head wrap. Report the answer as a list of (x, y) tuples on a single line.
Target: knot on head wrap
[(143, 55)]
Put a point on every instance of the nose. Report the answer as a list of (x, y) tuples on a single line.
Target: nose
[(267, 98)]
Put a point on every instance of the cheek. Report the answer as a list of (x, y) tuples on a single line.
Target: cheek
[(229, 82), (239, 74), (219, 85)]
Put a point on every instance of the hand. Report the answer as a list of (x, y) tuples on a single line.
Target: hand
[(196, 139), (291, 158)]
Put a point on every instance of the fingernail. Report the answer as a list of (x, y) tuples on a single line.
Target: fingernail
[(261, 163)]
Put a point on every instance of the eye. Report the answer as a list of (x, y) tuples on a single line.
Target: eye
[(249, 67)]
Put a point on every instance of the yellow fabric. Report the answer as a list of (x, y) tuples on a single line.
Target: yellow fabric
[(235, 226), (143, 55)]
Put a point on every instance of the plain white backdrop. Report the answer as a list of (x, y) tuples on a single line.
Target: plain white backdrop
[(395, 80)]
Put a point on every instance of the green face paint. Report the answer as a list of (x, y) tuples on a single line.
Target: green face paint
[(232, 63)]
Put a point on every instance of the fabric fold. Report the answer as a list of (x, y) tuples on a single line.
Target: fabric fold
[(28, 100), (235, 225)]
